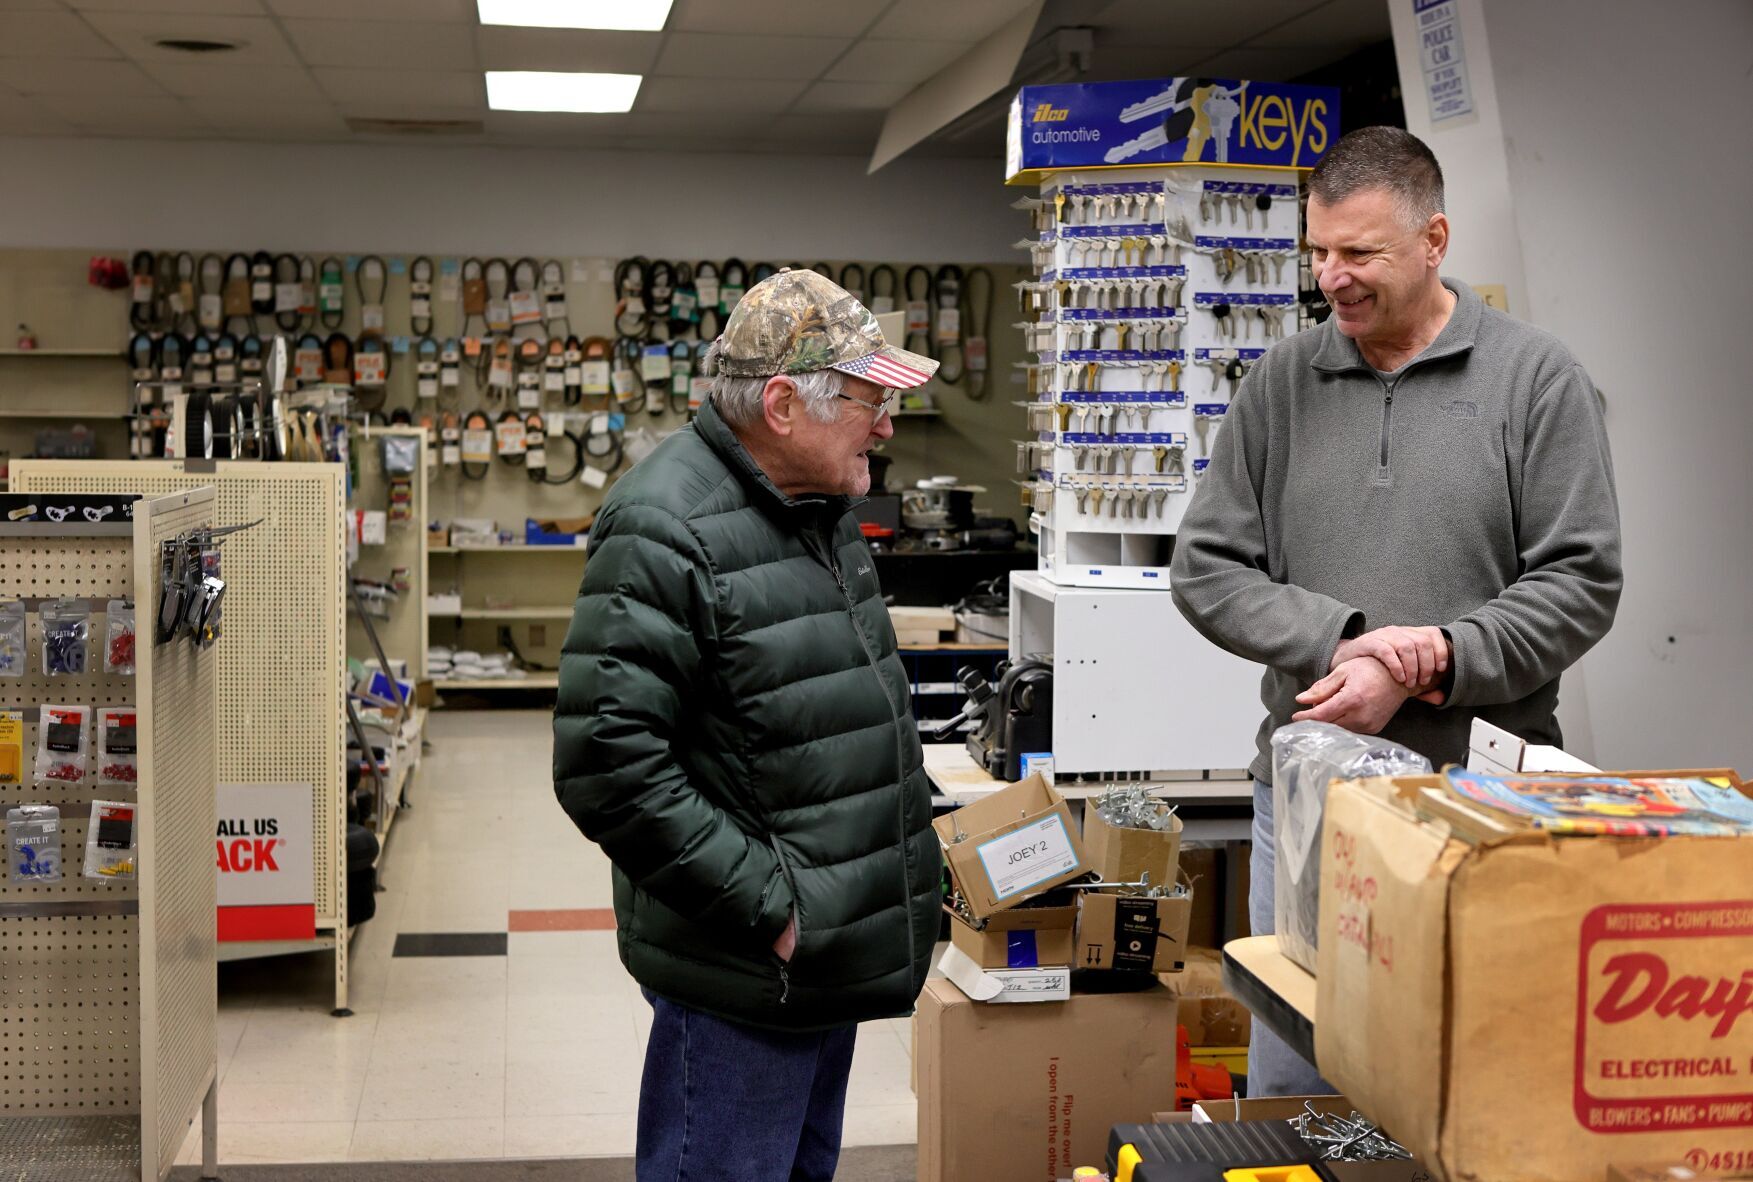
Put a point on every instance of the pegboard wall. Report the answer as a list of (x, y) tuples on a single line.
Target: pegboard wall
[(108, 991), (282, 668), (69, 985), (403, 633)]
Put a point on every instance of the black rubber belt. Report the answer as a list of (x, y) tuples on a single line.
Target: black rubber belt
[(854, 286), (210, 293), (924, 274), (631, 277), (420, 275), (497, 274), (184, 300), (880, 291), (331, 293), (286, 271), (144, 290), (474, 295), (979, 319), (554, 311), (948, 288)]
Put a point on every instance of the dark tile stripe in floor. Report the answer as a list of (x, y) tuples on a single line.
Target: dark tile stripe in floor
[(450, 944), (871, 1163)]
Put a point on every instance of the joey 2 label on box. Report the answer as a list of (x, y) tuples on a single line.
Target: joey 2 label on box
[(1665, 1017), (1027, 857)]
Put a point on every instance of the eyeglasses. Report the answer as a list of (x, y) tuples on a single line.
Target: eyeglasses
[(877, 409)]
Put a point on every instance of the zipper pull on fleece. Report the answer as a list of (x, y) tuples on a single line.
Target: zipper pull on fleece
[(784, 985)]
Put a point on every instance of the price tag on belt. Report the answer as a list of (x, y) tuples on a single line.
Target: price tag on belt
[(477, 445), (368, 368), (594, 377), (918, 317), (654, 364), (511, 437), (288, 297), (525, 308), (949, 325)]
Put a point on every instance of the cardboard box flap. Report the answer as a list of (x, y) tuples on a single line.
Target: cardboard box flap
[(1382, 961), (1010, 846)]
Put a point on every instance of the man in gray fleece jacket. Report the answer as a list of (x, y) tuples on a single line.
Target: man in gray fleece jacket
[(1409, 516)]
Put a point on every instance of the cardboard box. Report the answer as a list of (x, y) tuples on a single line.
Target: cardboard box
[(1023, 937), (1004, 986), (1212, 1016), (1029, 1092), (1534, 1007), (1127, 855), (1117, 931), (1268, 1108), (1010, 846)]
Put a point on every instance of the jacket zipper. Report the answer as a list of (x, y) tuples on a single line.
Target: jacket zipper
[(791, 881), (1387, 422), (900, 750)]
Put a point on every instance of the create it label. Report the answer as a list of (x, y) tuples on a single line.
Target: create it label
[(1664, 1026)]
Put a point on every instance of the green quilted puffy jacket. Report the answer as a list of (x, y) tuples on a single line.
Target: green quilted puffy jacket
[(733, 729)]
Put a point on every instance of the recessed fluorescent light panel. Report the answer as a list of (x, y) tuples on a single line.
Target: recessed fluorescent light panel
[(534, 90), (637, 15)]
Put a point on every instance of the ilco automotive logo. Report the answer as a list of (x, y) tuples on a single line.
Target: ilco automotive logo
[(1665, 1017)]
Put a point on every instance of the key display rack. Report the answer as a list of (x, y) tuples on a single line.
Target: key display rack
[(1155, 294), (108, 987), (282, 670), (1166, 259)]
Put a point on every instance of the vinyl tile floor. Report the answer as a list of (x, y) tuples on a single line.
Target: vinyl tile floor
[(491, 1015)]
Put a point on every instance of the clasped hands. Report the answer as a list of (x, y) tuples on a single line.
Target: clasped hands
[(1373, 674)]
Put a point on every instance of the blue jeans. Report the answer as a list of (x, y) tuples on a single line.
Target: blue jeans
[(721, 1100), (1273, 1068)]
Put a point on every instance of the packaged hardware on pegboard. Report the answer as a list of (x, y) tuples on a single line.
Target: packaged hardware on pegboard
[(66, 636), (13, 630), (11, 749), (117, 745), (110, 841), (33, 843), (118, 641), (62, 744)]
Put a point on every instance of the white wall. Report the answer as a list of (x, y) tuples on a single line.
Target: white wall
[(467, 200), (1623, 132)]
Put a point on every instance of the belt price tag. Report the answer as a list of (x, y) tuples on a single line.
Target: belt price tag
[(679, 382), (525, 309), (511, 437), (144, 286), (729, 295), (178, 303), (949, 325), (593, 477), (682, 306), (554, 378), (420, 304), (477, 445), (330, 296), (307, 365), (237, 297), (918, 317), (593, 377), (573, 374), (225, 372), (699, 390), (499, 373), (975, 353), (556, 304), (498, 315), (371, 318), (529, 393), (881, 304), (654, 365), (288, 297), (262, 290), (600, 424), (706, 290), (633, 305), (368, 369), (426, 385), (210, 311), (625, 382)]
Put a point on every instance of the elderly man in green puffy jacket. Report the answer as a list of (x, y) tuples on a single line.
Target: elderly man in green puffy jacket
[(733, 729)]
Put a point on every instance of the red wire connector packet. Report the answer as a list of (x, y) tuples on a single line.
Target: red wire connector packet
[(118, 645), (117, 745), (62, 745)]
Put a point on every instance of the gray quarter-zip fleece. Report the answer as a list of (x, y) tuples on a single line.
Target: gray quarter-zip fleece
[(1470, 489)]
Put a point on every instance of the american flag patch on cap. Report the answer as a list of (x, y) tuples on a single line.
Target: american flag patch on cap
[(893, 368)]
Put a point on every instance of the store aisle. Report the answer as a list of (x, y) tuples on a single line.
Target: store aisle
[(524, 1038)]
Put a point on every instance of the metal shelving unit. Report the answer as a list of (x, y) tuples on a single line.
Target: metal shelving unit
[(108, 989)]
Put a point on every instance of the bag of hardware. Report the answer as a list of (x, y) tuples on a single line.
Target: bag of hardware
[(66, 633), (63, 745), (12, 639), (110, 841), (118, 643), (33, 841), (1306, 758), (118, 760)]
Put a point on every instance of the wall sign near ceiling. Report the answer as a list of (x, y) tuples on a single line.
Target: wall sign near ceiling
[(1443, 59)]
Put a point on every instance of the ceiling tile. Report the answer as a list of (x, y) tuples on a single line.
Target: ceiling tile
[(568, 125), (785, 18), (410, 109), (933, 20), (396, 45), (1113, 63), (259, 40), (301, 120), (376, 10), (912, 62), (1265, 65), (203, 7), (758, 95), (49, 34), (23, 116), (852, 96), (31, 6), (1197, 22), (856, 129), (506, 47), (82, 76), (1348, 23), (203, 79), (445, 88), (734, 55), (144, 116)]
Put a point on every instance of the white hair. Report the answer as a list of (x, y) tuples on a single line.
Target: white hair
[(739, 399)]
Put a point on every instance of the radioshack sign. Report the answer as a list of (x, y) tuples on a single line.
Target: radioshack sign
[(263, 849)]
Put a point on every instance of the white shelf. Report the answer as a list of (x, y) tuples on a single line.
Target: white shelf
[(511, 613), (533, 681), (572, 551)]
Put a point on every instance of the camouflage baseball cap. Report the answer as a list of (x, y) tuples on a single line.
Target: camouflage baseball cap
[(802, 321)]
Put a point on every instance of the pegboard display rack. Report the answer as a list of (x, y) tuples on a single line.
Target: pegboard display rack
[(108, 989), (282, 669)]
